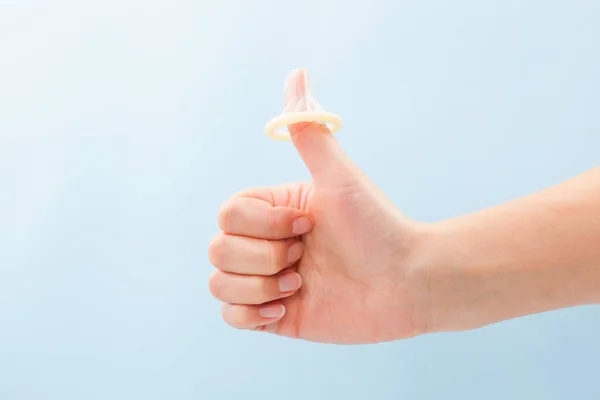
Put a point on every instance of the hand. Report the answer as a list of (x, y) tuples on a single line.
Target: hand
[(329, 260)]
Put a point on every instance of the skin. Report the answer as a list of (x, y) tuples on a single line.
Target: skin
[(334, 261)]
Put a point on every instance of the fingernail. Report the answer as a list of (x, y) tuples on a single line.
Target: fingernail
[(272, 311), (301, 225), (294, 252), (289, 282)]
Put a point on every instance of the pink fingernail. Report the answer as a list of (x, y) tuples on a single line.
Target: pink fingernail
[(301, 225), (272, 311), (294, 252), (289, 282)]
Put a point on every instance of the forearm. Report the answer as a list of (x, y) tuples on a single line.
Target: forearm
[(531, 255)]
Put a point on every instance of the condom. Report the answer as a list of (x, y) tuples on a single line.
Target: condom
[(300, 106)]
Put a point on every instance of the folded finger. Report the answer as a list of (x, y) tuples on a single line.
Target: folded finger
[(249, 216), (252, 316), (247, 289), (251, 256)]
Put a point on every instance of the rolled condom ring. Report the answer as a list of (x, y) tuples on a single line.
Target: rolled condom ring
[(300, 106)]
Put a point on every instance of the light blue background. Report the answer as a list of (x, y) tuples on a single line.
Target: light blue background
[(125, 123)]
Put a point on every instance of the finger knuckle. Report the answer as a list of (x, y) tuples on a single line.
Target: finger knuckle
[(274, 221), (215, 285), (217, 250), (233, 315), (274, 258), (264, 288), (227, 214)]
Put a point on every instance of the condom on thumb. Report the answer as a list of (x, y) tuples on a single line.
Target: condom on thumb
[(307, 124)]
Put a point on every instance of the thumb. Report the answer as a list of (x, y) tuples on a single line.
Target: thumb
[(319, 150), (315, 143)]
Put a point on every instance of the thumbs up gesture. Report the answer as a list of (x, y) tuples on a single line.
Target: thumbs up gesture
[(330, 260)]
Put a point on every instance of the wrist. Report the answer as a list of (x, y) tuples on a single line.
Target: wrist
[(474, 281), (450, 282), (421, 264)]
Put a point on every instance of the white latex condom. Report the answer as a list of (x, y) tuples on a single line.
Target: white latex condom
[(300, 106)]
